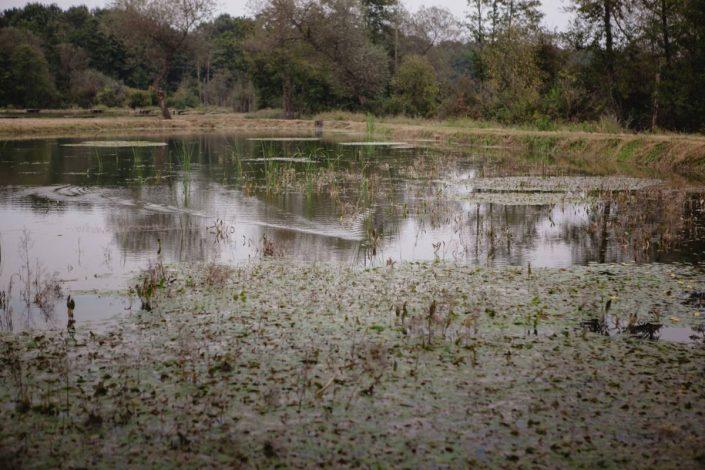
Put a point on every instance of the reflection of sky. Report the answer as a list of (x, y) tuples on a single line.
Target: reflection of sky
[(101, 237), (534, 239)]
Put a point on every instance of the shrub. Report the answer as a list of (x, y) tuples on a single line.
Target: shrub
[(88, 85), (244, 97), (184, 97), (462, 99), (267, 113), (112, 95), (415, 88), (138, 98)]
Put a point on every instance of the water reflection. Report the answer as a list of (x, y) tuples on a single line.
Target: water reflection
[(98, 215), (608, 325)]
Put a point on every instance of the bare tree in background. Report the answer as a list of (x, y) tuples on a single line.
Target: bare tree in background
[(276, 45), (431, 26), (161, 29), (335, 29)]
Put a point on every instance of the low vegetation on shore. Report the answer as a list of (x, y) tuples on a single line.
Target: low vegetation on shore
[(682, 153)]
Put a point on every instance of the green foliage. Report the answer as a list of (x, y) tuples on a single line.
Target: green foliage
[(89, 87), (513, 80), (379, 18), (138, 98), (184, 97), (415, 87), (622, 64), (627, 150), (112, 96), (227, 46), (25, 79)]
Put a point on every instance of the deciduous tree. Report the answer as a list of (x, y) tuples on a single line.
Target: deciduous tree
[(160, 29)]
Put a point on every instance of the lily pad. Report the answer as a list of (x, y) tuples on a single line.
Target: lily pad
[(117, 143), (371, 144)]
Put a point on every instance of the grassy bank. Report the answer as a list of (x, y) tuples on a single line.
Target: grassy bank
[(418, 364), (681, 153)]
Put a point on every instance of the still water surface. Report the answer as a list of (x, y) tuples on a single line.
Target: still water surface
[(92, 217)]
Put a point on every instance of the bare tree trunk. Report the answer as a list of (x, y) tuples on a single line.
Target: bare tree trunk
[(654, 111), (664, 32), (287, 103), (161, 94), (198, 80), (480, 35), (161, 98), (511, 15), (609, 50), (667, 55), (208, 81), (396, 44), (609, 43), (495, 19)]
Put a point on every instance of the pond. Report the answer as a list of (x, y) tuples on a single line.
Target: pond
[(83, 216)]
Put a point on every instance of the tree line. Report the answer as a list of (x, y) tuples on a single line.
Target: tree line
[(638, 62)]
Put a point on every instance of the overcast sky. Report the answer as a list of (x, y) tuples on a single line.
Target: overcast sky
[(553, 9)]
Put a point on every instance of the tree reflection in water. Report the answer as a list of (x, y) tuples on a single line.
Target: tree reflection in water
[(314, 200)]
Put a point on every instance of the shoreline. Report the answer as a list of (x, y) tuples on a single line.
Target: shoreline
[(664, 152)]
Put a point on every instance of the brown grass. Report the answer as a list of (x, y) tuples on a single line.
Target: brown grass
[(667, 152), (27, 128)]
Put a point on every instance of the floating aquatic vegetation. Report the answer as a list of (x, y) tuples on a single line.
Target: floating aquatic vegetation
[(324, 210), (561, 184), (524, 198), (695, 299), (279, 159), (117, 143), (217, 275), (284, 139), (371, 144), (409, 361), (403, 147)]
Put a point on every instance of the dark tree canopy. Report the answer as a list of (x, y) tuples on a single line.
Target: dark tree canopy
[(639, 63)]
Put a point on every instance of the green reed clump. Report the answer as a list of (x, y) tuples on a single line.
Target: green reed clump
[(99, 159), (370, 121), (237, 164), (185, 153)]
